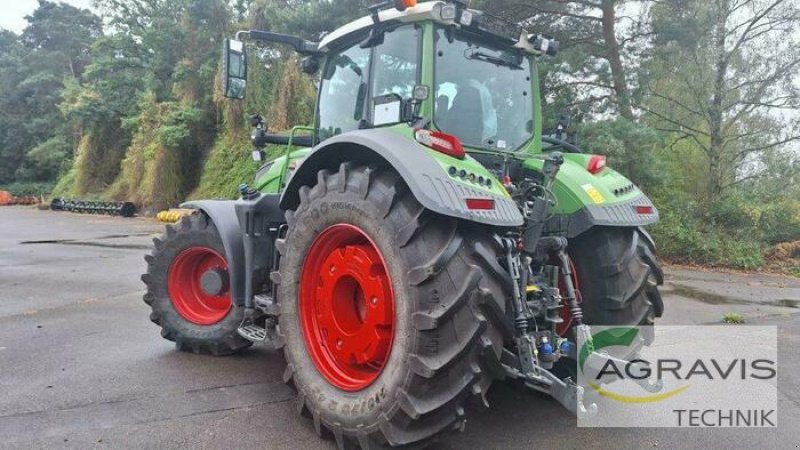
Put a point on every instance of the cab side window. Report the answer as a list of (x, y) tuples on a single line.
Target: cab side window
[(343, 89), (397, 63), (346, 83)]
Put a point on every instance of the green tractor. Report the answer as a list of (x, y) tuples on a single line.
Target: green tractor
[(421, 240)]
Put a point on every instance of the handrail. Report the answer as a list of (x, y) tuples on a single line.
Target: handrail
[(289, 151)]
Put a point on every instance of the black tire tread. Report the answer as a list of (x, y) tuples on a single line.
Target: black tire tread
[(195, 226), (624, 292), (433, 398)]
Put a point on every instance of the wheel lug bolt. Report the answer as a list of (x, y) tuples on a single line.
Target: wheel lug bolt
[(333, 269), (339, 344), (374, 300)]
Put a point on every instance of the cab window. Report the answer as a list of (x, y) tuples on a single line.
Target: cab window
[(397, 63), (343, 90)]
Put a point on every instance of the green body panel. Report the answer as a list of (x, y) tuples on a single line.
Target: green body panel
[(576, 187), (270, 182)]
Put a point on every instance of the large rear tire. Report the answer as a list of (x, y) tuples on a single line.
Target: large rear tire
[(439, 341), (195, 319)]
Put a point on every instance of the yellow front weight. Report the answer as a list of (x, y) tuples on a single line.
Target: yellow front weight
[(174, 215)]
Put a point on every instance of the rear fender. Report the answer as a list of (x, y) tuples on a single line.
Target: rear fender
[(585, 200), (424, 174)]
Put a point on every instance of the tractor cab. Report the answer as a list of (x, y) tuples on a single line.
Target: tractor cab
[(438, 66)]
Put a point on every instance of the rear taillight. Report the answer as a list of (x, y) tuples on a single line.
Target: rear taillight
[(596, 164), (480, 204), (441, 142), (644, 210)]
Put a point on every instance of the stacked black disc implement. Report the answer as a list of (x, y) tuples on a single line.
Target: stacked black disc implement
[(123, 209)]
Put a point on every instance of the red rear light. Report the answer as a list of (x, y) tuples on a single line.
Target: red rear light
[(596, 164), (482, 204), (441, 142), (644, 210)]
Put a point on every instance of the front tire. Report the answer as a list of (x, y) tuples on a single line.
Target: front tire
[(196, 320), (440, 276)]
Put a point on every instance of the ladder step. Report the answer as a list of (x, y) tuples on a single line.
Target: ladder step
[(253, 333)]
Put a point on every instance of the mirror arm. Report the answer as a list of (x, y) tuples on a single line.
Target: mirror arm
[(300, 45)]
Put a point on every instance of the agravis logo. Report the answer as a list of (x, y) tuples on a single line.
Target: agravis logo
[(679, 376)]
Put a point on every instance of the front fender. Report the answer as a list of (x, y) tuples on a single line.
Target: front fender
[(223, 214), (585, 200), (428, 181)]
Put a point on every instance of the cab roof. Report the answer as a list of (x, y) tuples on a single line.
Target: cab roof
[(434, 11), (418, 13)]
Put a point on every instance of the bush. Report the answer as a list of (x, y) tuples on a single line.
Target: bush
[(228, 166), (734, 212), (780, 221), (741, 254), (65, 187), (733, 319), (685, 240), (32, 188)]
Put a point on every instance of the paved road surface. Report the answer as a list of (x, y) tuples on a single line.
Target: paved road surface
[(81, 365)]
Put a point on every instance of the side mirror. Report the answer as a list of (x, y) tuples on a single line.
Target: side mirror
[(234, 69)]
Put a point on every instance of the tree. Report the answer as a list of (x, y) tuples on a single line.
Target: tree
[(725, 76), (64, 32), (52, 50), (310, 19), (12, 141), (601, 41)]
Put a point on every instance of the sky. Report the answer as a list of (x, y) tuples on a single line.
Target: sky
[(13, 12)]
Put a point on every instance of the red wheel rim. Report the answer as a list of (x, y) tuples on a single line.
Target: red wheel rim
[(346, 307), (563, 328), (185, 288)]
